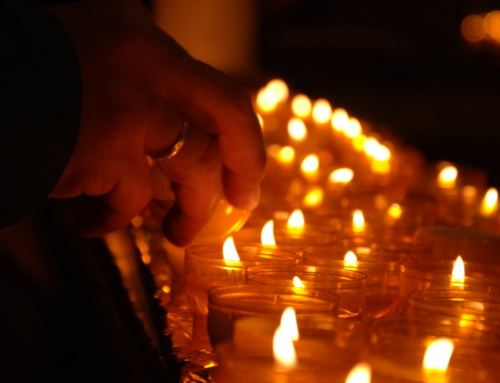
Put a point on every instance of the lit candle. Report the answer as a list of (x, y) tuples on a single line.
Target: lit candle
[(490, 203), (286, 155), (350, 260), (313, 198), (395, 211), (297, 282), (458, 273), (297, 129), (301, 106), (360, 373), (358, 221), (436, 359), (340, 120), (341, 176), (310, 166), (353, 128), (296, 224), (447, 177), (322, 111), (267, 234)]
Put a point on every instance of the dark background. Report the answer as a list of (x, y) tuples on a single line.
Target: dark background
[(401, 64)]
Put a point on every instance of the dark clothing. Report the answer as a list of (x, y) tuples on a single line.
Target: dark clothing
[(39, 107), (80, 326)]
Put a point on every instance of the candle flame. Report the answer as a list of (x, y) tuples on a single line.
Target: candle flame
[(297, 129), (358, 221), (301, 105), (286, 154), (447, 177), (341, 176), (267, 234), (350, 259), (438, 355), (353, 128), (322, 111), (313, 198), (229, 252), (395, 211), (266, 100), (360, 373), (490, 202), (359, 142), (296, 220), (297, 282), (310, 164), (340, 120), (458, 273), (279, 89), (285, 357)]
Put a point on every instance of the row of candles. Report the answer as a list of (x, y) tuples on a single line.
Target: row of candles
[(344, 241)]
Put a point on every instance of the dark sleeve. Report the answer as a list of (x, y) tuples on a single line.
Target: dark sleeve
[(39, 107)]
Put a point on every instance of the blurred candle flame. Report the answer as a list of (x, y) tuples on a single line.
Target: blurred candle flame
[(310, 164), (279, 89), (340, 120), (438, 355), (360, 373), (267, 234), (313, 198), (229, 252), (353, 128), (490, 202), (447, 177), (297, 282), (322, 111), (474, 28), (286, 154), (266, 100), (341, 176), (301, 105), (458, 272), (395, 211), (297, 129), (350, 259), (296, 220), (285, 357), (358, 221)]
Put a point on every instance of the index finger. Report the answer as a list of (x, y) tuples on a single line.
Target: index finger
[(221, 107)]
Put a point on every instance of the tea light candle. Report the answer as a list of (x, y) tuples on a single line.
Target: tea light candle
[(206, 267), (347, 284)]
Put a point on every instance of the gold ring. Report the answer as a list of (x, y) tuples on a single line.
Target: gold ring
[(177, 145)]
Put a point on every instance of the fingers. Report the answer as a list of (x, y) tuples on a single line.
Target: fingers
[(219, 106), (115, 209), (196, 175)]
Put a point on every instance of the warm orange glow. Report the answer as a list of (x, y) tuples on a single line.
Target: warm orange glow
[(297, 282), (137, 221), (380, 167), (296, 221), (353, 128), (438, 355), (350, 259), (310, 164), (301, 105), (285, 357), (322, 111), (447, 177), (229, 252), (370, 146), (267, 234), (341, 176), (340, 120), (469, 193), (490, 202), (279, 89), (261, 120), (165, 289), (146, 259), (297, 129), (313, 198), (395, 211), (360, 373), (288, 323), (492, 21), (358, 221), (359, 142), (458, 273), (266, 100), (286, 154), (273, 150), (474, 28)]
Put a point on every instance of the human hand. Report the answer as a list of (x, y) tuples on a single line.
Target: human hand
[(137, 86)]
